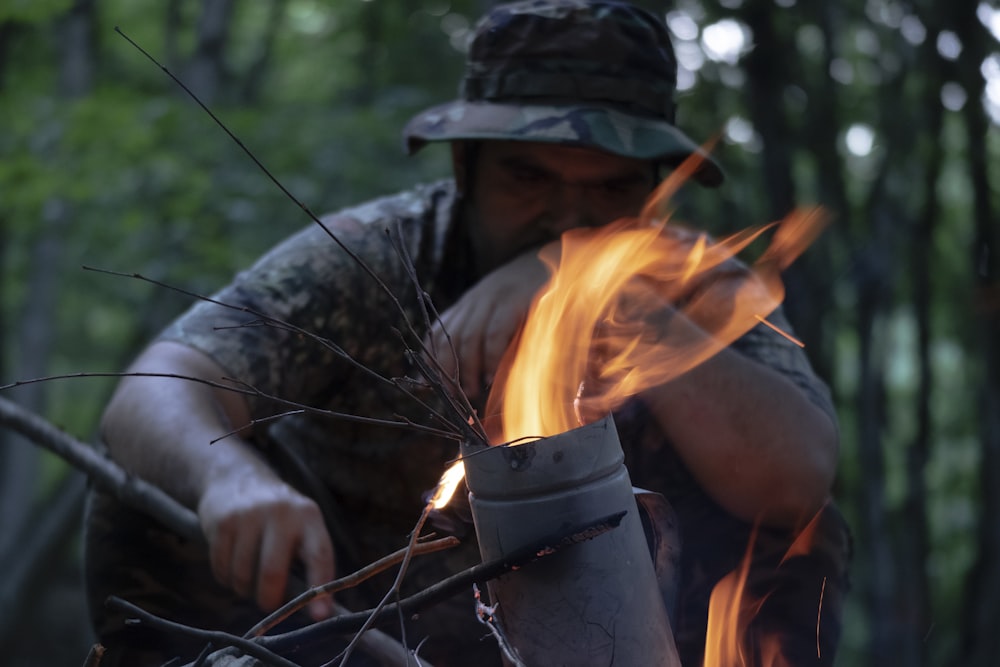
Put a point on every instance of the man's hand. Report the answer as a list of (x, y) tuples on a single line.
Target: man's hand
[(482, 323), (163, 429), (256, 527)]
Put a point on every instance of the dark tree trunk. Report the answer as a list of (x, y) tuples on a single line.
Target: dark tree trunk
[(7, 31), (206, 71), (20, 460), (879, 586), (766, 77), (915, 594), (981, 637), (369, 55), (811, 280), (768, 69), (255, 74), (77, 48), (172, 24)]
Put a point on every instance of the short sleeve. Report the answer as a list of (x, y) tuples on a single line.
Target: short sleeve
[(278, 326)]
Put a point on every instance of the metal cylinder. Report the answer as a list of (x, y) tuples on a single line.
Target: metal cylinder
[(595, 603)]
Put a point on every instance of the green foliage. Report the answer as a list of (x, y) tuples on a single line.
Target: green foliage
[(32, 11)]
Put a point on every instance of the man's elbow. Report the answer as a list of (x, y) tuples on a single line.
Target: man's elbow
[(806, 486)]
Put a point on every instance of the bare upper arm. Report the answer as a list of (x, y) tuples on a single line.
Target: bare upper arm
[(172, 358)]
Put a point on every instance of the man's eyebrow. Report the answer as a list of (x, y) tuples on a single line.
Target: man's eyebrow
[(632, 177), (518, 162), (629, 176)]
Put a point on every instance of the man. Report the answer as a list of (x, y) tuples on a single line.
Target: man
[(565, 120)]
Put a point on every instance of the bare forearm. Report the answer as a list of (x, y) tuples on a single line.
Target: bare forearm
[(751, 437), (162, 429)]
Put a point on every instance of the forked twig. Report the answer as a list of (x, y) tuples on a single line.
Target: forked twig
[(459, 421), (138, 493), (214, 637), (349, 581), (454, 584), (240, 387), (278, 646), (463, 419), (486, 614)]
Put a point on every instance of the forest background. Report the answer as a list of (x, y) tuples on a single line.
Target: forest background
[(885, 112)]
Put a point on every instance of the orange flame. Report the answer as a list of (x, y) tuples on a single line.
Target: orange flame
[(731, 610), (635, 304), (729, 616), (449, 481)]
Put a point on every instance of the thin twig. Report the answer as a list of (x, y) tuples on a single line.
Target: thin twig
[(275, 323), (94, 656), (462, 419), (394, 590), (386, 649), (271, 649), (248, 390), (446, 588), (217, 637), (349, 581), (486, 614), (448, 386), (136, 492)]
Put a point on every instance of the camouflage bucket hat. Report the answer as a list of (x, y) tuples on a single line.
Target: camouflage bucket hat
[(597, 74)]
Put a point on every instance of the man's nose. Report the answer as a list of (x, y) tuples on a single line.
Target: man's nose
[(567, 208)]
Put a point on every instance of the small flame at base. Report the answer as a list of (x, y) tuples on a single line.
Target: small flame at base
[(731, 611), (729, 616), (449, 481)]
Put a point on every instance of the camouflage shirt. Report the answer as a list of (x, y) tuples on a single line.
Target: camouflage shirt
[(311, 324), (334, 315)]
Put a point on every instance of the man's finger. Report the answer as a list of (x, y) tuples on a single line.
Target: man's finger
[(276, 548), (243, 559), (317, 553)]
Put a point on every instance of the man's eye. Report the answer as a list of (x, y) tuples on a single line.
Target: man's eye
[(529, 177), (615, 189)]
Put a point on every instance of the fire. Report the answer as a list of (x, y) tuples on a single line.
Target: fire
[(731, 610), (449, 481), (635, 304), (729, 616)]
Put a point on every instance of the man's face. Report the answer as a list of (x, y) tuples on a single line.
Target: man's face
[(526, 194)]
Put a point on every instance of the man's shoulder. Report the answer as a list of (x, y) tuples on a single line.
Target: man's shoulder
[(424, 211), (430, 200)]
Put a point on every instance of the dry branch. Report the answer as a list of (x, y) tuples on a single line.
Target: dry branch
[(445, 589), (103, 471), (143, 496), (273, 649)]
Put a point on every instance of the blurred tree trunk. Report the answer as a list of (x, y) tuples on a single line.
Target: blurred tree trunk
[(981, 641), (872, 277), (9, 511), (807, 281), (21, 460), (255, 74), (876, 237), (370, 53), (172, 25), (206, 71), (821, 130), (915, 596), (7, 30)]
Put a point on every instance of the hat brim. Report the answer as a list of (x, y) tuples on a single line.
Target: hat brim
[(611, 130)]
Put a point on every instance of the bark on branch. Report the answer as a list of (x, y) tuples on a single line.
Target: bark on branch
[(103, 471)]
